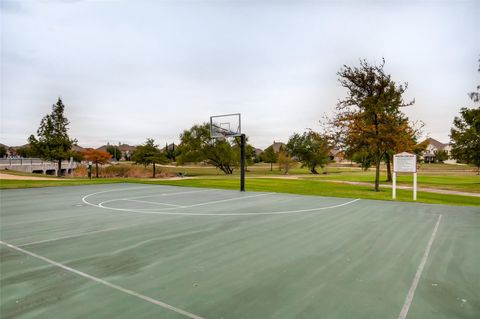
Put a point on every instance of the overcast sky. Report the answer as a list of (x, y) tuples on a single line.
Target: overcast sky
[(128, 70)]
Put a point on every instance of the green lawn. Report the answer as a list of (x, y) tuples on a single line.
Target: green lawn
[(466, 182), (315, 187), (299, 186), (450, 179)]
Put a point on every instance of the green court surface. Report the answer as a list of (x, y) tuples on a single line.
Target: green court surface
[(150, 251)]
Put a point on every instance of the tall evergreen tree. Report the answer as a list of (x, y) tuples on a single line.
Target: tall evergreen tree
[(53, 142)]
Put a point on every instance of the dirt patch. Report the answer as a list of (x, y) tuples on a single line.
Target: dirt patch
[(20, 177)]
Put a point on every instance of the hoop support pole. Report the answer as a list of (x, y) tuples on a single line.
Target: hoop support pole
[(242, 162)]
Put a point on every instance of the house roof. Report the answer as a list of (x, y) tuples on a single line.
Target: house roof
[(438, 145), (335, 152), (276, 146), (126, 147), (258, 151), (78, 148), (169, 147)]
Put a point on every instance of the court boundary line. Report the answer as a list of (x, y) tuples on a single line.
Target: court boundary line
[(411, 292), (104, 282)]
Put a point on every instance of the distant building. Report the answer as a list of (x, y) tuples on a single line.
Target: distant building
[(277, 146), (338, 156), (432, 147), (169, 148), (78, 148), (127, 150), (258, 152)]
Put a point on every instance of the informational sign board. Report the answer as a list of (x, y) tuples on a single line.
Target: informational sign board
[(405, 163)]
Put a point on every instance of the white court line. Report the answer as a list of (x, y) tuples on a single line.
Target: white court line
[(102, 204), (170, 194), (416, 279), (104, 282), (147, 202), (164, 212), (132, 188), (226, 200)]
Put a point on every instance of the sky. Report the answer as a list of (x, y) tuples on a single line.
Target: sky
[(128, 70)]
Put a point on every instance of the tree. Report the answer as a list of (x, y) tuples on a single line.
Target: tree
[(96, 157), (53, 142), (369, 117), (26, 151), (285, 160), (196, 146), (269, 156), (115, 152), (149, 153), (3, 151), (465, 136), (311, 148), (441, 155), (363, 158)]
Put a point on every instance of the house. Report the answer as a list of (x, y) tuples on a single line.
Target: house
[(78, 148), (338, 156), (257, 152), (169, 148), (434, 146), (277, 146), (125, 149)]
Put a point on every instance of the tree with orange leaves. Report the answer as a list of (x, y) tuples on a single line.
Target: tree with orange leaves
[(370, 117), (97, 157)]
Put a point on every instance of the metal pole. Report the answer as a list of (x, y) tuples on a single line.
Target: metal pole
[(414, 186), (394, 185), (242, 162)]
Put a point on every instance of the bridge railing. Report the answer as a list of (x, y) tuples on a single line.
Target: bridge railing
[(27, 161)]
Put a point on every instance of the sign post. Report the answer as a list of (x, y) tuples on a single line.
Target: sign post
[(404, 163)]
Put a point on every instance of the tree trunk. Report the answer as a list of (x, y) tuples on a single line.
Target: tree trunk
[(153, 169), (389, 168), (59, 169), (96, 169), (313, 170), (377, 174), (271, 166)]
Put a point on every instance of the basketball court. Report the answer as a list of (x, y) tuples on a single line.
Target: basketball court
[(150, 251)]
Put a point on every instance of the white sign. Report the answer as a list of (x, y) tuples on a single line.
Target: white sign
[(405, 163)]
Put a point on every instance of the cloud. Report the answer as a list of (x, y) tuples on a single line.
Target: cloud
[(12, 6)]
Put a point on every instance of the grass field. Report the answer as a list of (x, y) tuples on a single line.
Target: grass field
[(432, 176), (300, 186), (156, 251)]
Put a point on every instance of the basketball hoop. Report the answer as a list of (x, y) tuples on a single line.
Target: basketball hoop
[(224, 126), (229, 125)]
